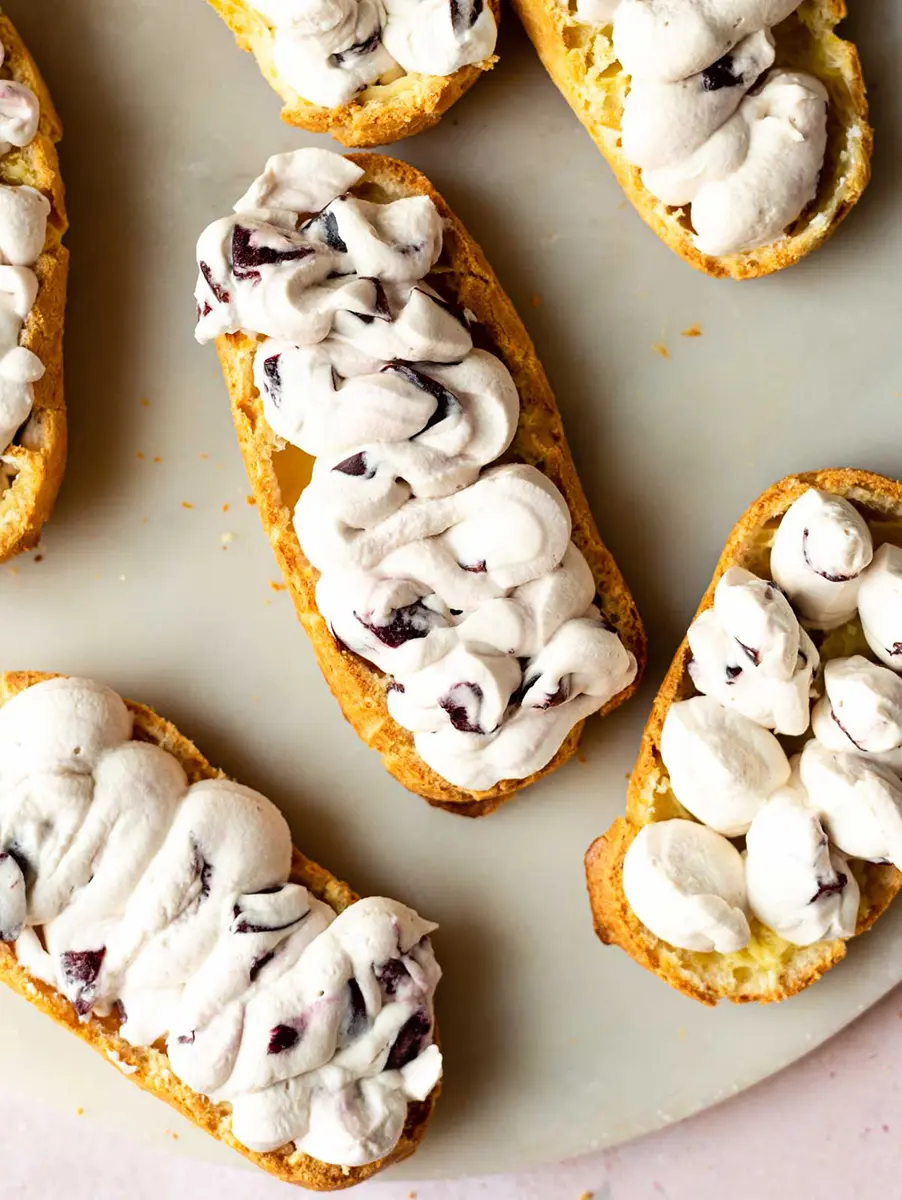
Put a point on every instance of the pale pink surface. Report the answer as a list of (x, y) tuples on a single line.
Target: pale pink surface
[(825, 1127)]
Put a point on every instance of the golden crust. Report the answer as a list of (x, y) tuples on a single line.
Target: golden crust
[(151, 1064), (380, 114), (37, 458), (771, 969), (277, 474), (581, 61)]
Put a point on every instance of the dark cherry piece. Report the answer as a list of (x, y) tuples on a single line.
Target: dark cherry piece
[(391, 975), (410, 1042), (409, 623), (219, 292), (273, 373), (446, 402), (326, 223), (463, 15), (356, 1019), (356, 465), (283, 1038), (358, 50), (81, 969), (829, 889), (247, 259), (457, 712), (720, 75)]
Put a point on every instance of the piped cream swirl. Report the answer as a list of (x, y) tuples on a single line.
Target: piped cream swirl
[(821, 547), (750, 653), (173, 902), (456, 576), (710, 121), (329, 50)]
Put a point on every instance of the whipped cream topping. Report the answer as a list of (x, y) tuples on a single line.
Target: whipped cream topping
[(858, 800), (23, 231), (708, 119), (861, 710), (686, 884), (880, 605), (750, 653), (173, 903), (754, 664), (797, 885), (456, 577), (722, 766), (329, 50), (820, 549)]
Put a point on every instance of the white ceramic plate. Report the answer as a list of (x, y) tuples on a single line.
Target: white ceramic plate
[(555, 1045)]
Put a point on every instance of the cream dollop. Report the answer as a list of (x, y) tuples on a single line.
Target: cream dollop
[(709, 122), (174, 903), (859, 802), (686, 884), (23, 231), (20, 114), (821, 547), (455, 576), (750, 653), (722, 766), (861, 710), (880, 605), (756, 174), (674, 39), (797, 885), (329, 50)]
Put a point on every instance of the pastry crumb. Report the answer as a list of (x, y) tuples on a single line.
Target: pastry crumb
[(145, 403), (186, 504), (278, 587), (140, 454), (39, 558), (535, 300), (586, 1195), (660, 348), (692, 331), (227, 539), (205, 456), (157, 459), (122, 579), (581, 759), (225, 508), (250, 500), (79, 1112)]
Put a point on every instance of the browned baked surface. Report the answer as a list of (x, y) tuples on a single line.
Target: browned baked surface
[(37, 457), (382, 113), (581, 61), (152, 1071), (769, 968), (278, 474)]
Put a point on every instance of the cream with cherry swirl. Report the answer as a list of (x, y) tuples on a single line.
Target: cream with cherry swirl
[(330, 50), (125, 888), (710, 121), (803, 818), (23, 230), (456, 577)]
